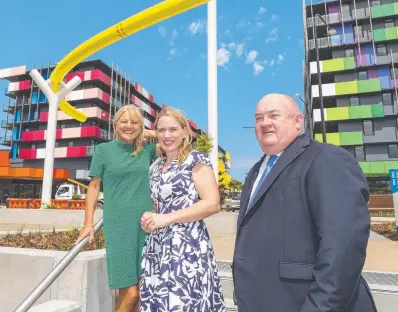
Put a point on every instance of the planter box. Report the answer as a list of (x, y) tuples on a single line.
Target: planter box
[(84, 280)]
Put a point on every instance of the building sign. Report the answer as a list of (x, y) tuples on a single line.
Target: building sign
[(394, 191)]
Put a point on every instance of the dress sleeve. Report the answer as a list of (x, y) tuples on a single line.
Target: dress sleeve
[(97, 165), (152, 151), (200, 157)]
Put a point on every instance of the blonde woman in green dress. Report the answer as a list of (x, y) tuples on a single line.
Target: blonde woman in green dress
[(123, 167)]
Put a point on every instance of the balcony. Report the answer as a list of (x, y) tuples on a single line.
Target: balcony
[(9, 107), (6, 140), (7, 123), (384, 10), (339, 40)]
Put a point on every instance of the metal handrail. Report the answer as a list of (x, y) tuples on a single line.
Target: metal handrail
[(29, 301)]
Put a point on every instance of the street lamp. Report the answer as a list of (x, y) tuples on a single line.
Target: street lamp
[(331, 32)]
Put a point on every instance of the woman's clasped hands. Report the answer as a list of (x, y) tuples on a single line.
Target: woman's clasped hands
[(152, 221)]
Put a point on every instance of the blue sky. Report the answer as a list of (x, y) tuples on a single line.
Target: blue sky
[(260, 50)]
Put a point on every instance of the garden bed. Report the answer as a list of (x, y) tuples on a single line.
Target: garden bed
[(387, 230), (60, 241), (385, 214)]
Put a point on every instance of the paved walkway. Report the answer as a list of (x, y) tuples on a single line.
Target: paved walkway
[(382, 254)]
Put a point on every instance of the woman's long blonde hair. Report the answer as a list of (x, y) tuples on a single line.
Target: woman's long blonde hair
[(185, 147), (131, 110)]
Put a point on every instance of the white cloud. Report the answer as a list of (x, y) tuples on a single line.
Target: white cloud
[(231, 45), (162, 31), (272, 35), (239, 50), (258, 68), (251, 57), (262, 10), (272, 63), (281, 57), (260, 25), (197, 27), (172, 54), (223, 57), (174, 35), (241, 24), (274, 18)]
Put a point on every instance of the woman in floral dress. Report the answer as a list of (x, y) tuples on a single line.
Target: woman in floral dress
[(179, 271)]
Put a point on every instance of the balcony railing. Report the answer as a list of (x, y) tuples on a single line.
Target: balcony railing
[(335, 18), (8, 107), (338, 40), (6, 123)]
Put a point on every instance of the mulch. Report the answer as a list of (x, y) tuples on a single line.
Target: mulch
[(60, 241), (387, 230)]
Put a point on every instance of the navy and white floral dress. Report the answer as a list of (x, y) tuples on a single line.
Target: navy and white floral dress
[(179, 271)]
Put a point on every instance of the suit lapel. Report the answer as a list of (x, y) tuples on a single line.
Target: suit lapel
[(288, 156), (251, 178)]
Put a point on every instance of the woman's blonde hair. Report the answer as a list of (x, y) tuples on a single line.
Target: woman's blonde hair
[(185, 147), (131, 110)]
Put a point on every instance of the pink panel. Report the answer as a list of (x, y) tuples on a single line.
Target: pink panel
[(151, 98), (137, 86), (71, 75), (28, 154), (44, 117), (23, 85), (60, 152), (90, 93), (105, 97), (98, 74), (153, 112), (71, 133)]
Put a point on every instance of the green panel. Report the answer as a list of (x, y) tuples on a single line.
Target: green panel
[(377, 167), (390, 165), (396, 7), (360, 112), (391, 33), (371, 85), (365, 167), (349, 87), (376, 11), (333, 138), (379, 34), (377, 110), (333, 65), (349, 63), (318, 137), (351, 138), (388, 9), (337, 113)]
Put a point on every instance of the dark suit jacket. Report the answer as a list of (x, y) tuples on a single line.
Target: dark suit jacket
[(302, 245)]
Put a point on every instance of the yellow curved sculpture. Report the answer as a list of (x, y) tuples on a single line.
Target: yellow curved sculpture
[(125, 28)]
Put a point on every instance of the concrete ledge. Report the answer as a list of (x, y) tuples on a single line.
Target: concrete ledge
[(57, 306), (45, 217), (84, 281), (386, 297)]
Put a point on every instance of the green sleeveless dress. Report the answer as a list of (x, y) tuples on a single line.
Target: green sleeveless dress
[(125, 181)]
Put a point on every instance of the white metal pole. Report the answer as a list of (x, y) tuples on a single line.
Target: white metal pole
[(53, 100), (212, 81)]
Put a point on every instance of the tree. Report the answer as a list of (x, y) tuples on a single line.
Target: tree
[(203, 143), (236, 185)]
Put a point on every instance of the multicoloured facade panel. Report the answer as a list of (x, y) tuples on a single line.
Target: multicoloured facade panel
[(358, 70), (103, 91)]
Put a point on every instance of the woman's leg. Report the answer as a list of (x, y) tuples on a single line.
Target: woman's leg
[(128, 299)]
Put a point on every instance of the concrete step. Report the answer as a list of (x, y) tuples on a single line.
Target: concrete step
[(230, 305), (57, 306)]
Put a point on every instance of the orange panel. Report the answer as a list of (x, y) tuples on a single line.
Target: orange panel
[(4, 156), (6, 172)]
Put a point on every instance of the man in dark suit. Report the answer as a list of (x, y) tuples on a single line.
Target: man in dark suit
[(303, 225)]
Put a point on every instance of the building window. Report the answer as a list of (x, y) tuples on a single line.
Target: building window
[(33, 146), (56, 143), (376, 2), (381, 50), (70, 143), (349, 52), (393, 150), (368, 128), (62, 125), (359, 153), (387, 99), (354, 100), (363, 75), (389, 23)]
